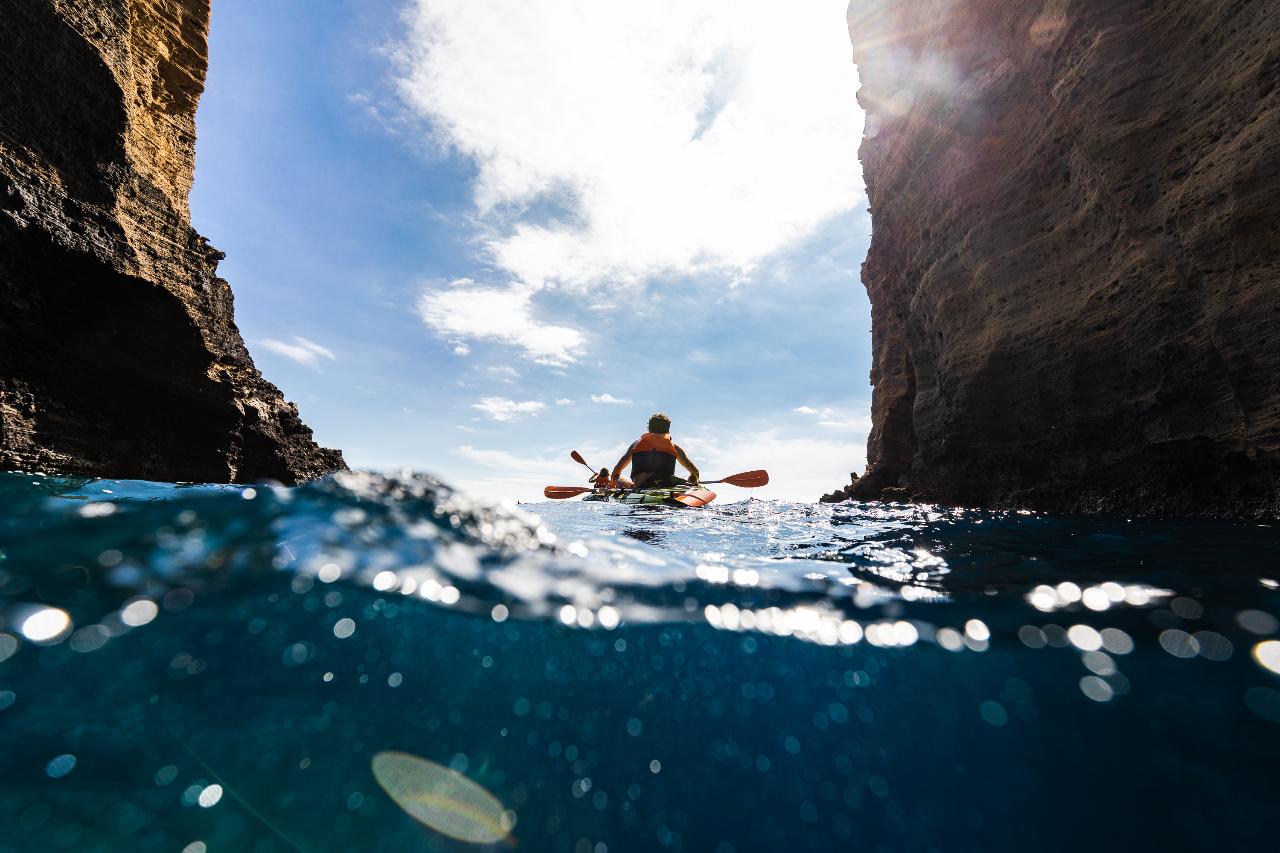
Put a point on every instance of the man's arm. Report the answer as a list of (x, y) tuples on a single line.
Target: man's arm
[(689, 466), (623, 463)]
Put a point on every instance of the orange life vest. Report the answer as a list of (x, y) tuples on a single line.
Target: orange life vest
[(660, 442), (653, 455)]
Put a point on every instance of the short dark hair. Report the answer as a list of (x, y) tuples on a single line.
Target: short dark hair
[(659, 423)]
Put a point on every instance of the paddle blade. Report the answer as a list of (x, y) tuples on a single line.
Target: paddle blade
[(559, 493), (577, 457), (695, 498), (747, 479)]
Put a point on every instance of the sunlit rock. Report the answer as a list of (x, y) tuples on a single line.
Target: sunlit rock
[(1072, 269)]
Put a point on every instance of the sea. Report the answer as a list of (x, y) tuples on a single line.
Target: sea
[(379, 663)]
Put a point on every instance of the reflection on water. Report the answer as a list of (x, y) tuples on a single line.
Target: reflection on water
[(649, 524), (377, 663)]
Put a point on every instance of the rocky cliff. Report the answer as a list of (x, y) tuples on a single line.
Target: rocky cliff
[(119, 355), (1074, 271)]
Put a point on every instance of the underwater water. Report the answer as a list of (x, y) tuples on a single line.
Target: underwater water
[(376, 663)]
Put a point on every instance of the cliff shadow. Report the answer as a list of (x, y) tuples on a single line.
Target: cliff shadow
[(105, 373)]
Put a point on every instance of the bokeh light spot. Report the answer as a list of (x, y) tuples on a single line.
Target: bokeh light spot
[(1267, 654), (8, 645), (1084, 638), (1096, 689), (442, 799), (60, 766), (1264, 702), (138, 612), (993, 713), (1257, 622), (46, 625), (1115, 641), (1178, 643)]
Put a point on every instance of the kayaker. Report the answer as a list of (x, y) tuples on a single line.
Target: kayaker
[(603, 482), (653, 457)]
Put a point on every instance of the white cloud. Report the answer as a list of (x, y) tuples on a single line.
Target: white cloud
[(618, 140), (801, 467), (852, 424), (564, 401), (504, 372), (464, 310), (305, 352), (829, 418), (502, 409), (609, 399), (503, 460)]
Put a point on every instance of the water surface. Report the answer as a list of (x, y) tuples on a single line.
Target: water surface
[(376, 663)]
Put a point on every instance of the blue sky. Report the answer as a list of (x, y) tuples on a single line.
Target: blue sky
[(467, 237)]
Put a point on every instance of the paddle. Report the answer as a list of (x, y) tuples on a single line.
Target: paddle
[(559, 493), (577, 457), (747, 479)]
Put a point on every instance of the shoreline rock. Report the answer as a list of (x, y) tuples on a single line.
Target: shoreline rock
[(1074, 271), (119, 354), (843, 493)]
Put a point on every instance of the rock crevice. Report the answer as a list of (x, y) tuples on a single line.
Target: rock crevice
[(119, 354), (1074, 270)]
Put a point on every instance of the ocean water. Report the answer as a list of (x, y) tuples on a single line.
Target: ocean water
[(377, 663)]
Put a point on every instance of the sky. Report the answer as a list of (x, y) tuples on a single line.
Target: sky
[(469, 236)]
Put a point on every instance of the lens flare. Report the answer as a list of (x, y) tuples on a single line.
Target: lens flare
[(442, 799)]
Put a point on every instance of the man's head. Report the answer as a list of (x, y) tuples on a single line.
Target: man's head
[(659, 423)]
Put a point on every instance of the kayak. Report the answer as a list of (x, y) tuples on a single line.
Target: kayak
[(691, 496)]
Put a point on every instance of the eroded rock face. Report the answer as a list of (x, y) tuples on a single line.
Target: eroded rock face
[(119, 355), (1075, 265)]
